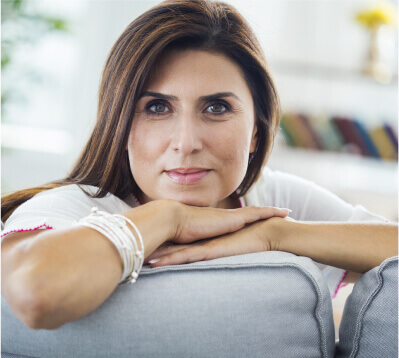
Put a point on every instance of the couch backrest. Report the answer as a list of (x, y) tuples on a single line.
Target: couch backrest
[(269, 304)]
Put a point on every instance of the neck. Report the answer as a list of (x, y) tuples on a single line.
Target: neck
[(227, 203)]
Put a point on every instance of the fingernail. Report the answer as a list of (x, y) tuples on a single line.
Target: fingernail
[(289, 210), (153, 261)]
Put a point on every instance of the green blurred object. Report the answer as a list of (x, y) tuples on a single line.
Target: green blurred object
[(286, 133), (330, 137), (22, 25)]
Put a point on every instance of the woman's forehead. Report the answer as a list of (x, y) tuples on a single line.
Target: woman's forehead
[(196, 71)]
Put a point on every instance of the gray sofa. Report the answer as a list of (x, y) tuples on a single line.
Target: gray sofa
[(269, 304)]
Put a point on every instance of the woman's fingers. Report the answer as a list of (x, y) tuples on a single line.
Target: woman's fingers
[(252, 238), (190, 253), (255, 213), (200, 223), (168, 248), (164, 249)]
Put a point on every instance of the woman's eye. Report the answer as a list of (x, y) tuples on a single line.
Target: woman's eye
[(157, 108), (217, 108)]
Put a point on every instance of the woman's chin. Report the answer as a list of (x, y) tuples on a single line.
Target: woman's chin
[(194, 200)]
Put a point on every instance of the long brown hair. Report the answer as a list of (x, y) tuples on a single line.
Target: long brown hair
[(183, 24)]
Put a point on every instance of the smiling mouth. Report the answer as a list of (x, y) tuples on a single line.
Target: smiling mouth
[(191, 176)]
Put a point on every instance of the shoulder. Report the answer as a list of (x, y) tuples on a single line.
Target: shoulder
[(308, 200), (69, 201), (73, 193), (60, 208), (274, 187), (305, 198)]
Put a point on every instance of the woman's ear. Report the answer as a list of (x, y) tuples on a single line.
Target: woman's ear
[(254, 139)]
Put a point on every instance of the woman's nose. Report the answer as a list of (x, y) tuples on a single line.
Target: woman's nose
[(187, 136)]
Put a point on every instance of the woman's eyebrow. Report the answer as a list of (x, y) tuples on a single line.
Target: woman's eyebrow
[(210, 97), (159, 95)]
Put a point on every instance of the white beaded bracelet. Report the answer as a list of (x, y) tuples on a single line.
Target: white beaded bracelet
[(124, 235), (125, 247), (114, 227), (110, 231), (139, 254), (100, 227)]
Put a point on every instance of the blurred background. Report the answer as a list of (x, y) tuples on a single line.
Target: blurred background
[(334, 64)]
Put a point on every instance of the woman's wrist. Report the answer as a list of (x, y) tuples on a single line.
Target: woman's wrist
[(157, 222), (280, 229), (173, 211)]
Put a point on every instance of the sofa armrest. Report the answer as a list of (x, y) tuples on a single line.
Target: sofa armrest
[(369, 325)]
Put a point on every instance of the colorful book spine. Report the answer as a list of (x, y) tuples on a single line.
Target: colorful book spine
[(286, 133), (382, 142), (298, 132), (351, 134), (392, 135), (313, 136), (329, 136), (373, 152)]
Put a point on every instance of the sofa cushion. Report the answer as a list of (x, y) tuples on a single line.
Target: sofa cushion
[(272, 304), (369, 325)]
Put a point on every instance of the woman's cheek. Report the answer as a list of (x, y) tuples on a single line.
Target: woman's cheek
[(233, 151), (148, 140)]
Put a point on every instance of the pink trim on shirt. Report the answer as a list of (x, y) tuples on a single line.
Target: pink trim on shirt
[(340, 285), (136, 199), (33, 229)]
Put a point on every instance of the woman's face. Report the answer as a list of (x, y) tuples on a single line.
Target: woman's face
[(193, 130)]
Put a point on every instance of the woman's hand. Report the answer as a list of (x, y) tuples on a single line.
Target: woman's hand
[(195, 223), (255, 237)]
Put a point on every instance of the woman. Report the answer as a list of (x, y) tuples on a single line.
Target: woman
[(186, 120)]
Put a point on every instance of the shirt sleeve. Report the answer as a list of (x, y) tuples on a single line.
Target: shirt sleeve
[(311, 202), (58, 208)]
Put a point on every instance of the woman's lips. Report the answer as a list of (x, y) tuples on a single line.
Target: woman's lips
[(188, 178)]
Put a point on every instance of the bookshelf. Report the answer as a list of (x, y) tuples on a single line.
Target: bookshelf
[(356, 179), (315, 98)]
